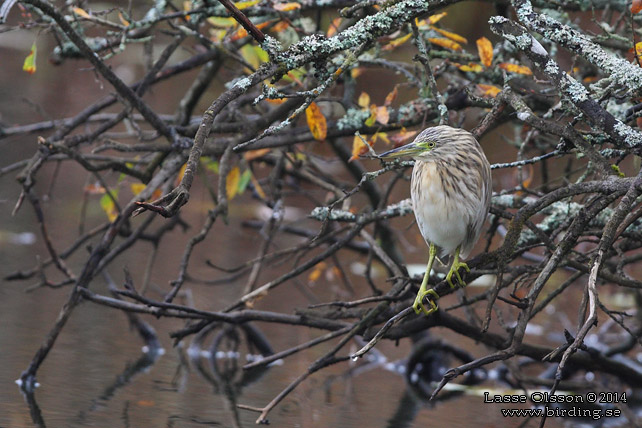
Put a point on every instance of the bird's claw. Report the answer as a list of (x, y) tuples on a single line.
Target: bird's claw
[(454, 269), (419, 307)]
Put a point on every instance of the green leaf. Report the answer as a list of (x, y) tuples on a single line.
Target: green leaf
[(245, 179), (210, 164)]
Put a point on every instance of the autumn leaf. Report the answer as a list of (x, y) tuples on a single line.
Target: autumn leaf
[(334, 26), (94, 189), (108, 205), (221, 22), (279, 27), (485, 50), (515, 68), (316, 272), (81, 12), (452, 36), (373, 116), (396, 42), (316, 122), (250, 155), (30, 61), (433, 19), (445, 43), (402, 137), (391, 97), (257, 187), (242, 32), (123, 20), (489, 90), (359, 147), (244, 181), (383, 116), (245, 4), (636, 6), (286, 7), (187, 6), (136, 188), (180, 175), (471, 66), (364, 100), (232, 182)]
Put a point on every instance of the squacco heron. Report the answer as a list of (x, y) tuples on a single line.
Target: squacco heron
[(450, 190)]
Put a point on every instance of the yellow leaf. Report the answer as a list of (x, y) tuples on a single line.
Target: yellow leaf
[(136, 188), (391, 97), (187, 6), (334, 26), (108, 205), (81, 12), (485, 50), (316, 272), (245, 4), (232, 182), (383, 116), (638, 48), (356, 72), (471, 66), (489, 90), (636, 6), (364, 100), (219, 22), (445, 43), (515, 68), (397, 42), (286, 7), (452, 36), (30, 61), (123, 20), (373, 116), (434, 18), (358, 148), (316, 122)]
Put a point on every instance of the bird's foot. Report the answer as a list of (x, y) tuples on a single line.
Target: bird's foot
[(419, 306), (454, 269)]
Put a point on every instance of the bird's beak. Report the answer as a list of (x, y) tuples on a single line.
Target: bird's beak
[(407, 150)]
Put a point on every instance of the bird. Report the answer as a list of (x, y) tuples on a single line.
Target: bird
[(450, 188)]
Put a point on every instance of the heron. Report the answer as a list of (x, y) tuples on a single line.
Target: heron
[(450, 190)]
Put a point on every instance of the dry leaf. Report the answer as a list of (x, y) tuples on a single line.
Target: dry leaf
[(123, 20), (485, 50), (232, 182), (451, 36), (432, 19), (316, 272), (489, 90), (391, 97), (515, 68), (636, 6), (359, 147), (396, 42), (383, 116), (180, 175), (245, 4), (250, 155), (445, 43), (402, 137), (334, 26), (81, 12), (364, 100), (136, 188), (316, 122), (279, 27), (471, 66), (286, 7)]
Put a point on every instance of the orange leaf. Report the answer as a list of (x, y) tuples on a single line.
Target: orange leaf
[(286, 7), (255, 154), (136, 188), (180, 175), (391, 97), (30, 61), (473, 67), (402, 137), (364, 100), (445, 43), (81, 12), (279, 27), (515, 68), (334, 26), (316, 272), (485, 50), (489, 90), (94, 189), (316, 122), (123, 20), (383, 116), (359, 147), (242, 32), (232, 182), (434, 18), (636, 6), (396, 42), (452, 36)]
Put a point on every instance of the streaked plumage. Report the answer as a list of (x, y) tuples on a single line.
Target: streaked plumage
[(450, 190)]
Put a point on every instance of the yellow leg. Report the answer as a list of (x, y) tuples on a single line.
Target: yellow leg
[(454, 269), (418, 306)]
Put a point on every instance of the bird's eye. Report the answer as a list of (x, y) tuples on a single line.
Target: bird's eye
[(431, 145)]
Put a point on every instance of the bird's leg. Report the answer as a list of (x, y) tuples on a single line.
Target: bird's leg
[(454, 269), (418, 306)]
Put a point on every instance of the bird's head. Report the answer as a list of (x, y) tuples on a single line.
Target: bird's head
[(429, 142)]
